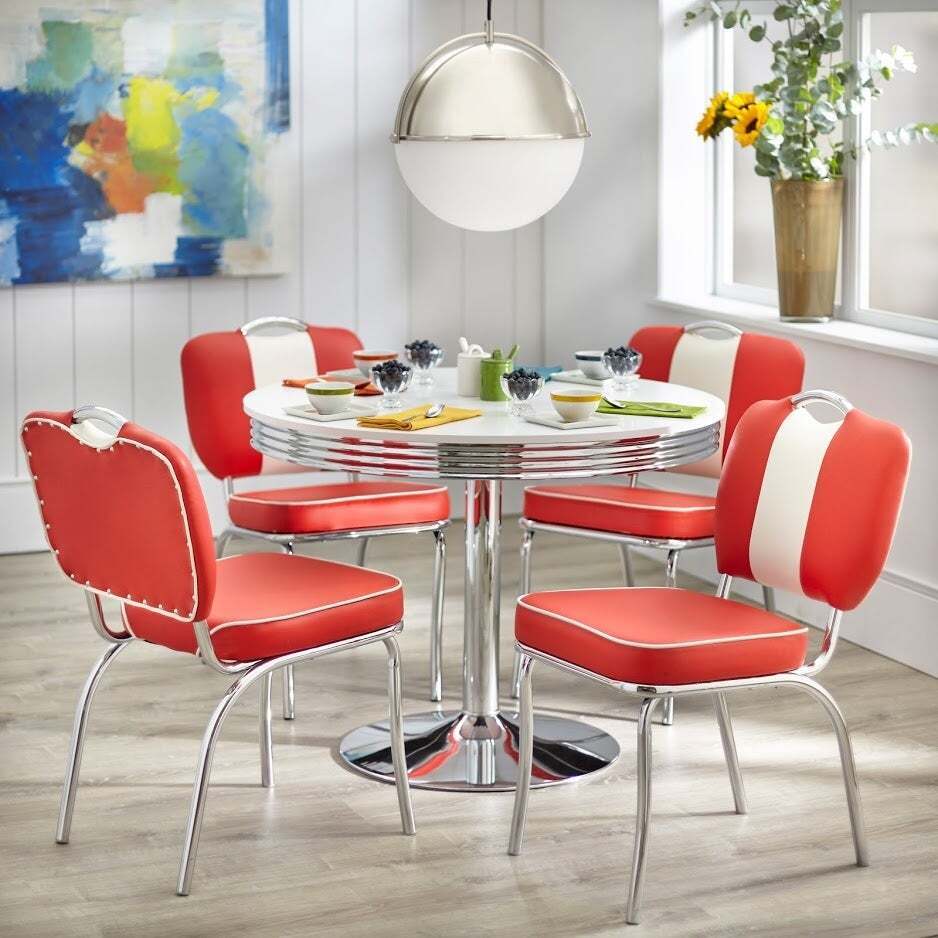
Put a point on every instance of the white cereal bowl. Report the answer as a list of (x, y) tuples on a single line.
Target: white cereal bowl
[(590, 362), (573, 404), (367, 358), (330, 397)]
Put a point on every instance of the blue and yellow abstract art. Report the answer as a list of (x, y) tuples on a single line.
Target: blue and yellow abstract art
[(143, 139)]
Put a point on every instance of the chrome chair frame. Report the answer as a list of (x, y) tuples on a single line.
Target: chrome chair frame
[(287, 542), (672, 546), (246, 675), (801, 678)]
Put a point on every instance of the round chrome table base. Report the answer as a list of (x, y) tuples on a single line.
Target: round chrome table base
[(454, 751)]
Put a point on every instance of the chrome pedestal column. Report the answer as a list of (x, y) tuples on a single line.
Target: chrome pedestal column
[(476, 748)]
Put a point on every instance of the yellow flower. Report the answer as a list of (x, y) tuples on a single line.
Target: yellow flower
[(705, 126), (737, 102), (749, 123)]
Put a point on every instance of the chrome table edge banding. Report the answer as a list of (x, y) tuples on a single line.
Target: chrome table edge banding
[(476, 748)]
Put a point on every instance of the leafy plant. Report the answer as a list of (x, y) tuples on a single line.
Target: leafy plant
[(812, 90)]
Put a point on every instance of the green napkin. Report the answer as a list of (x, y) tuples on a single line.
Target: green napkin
[(649, 409)]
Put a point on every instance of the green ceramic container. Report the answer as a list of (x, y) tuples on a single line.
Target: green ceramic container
[(491, 370)]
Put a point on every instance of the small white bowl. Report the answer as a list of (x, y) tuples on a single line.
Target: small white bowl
[(367, 358), (573, 404), (330, 397), (590, 362)]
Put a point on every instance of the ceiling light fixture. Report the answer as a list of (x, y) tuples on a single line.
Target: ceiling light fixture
[(489, 133)]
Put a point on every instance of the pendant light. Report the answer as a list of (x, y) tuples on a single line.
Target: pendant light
[(489, 133)]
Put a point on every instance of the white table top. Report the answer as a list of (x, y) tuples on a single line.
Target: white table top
[(495, 426)]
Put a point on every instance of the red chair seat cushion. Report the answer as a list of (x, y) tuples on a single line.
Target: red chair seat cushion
[(273, 604), (619, 509), (316, 509), (659, 636)]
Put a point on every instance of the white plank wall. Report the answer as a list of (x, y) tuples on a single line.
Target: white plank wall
[(366, 256)]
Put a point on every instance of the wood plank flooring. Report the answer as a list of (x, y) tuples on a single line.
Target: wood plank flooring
[(322, 853)]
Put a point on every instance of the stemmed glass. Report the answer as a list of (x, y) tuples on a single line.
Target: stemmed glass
[(521, 386), (392, 379), (424, 356), (623, 362)]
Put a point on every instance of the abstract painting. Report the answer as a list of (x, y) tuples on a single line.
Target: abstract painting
[(143, 138)]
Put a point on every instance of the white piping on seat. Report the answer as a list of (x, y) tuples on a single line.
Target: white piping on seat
[(724, 640), (621, 504), (251, 497)]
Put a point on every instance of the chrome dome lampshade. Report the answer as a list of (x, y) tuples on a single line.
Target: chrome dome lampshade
[(489, 133)]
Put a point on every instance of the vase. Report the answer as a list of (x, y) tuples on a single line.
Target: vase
[(807, 241)]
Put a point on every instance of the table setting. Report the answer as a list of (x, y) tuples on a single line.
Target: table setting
[(521, 423)]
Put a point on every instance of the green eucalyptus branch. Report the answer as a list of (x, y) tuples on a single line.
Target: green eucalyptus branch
[(811, 92)]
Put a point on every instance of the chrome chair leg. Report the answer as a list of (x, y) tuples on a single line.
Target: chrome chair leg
[(222, 543), (203, 772), (643, 809), (670, 572), (526, 538), (362, 551), (436, 617), (77, 744), (289, 687), (729, 751), (670, 580), (525, 755), (398, 752), (266, 738), (627, 565), (768, 598), (848, 764), (289, 693)]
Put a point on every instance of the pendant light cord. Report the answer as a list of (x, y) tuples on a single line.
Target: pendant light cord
[(489, 23)]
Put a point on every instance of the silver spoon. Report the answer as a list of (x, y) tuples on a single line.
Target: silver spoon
[(435, 410)]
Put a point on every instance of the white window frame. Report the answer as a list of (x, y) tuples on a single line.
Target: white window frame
[(854, 259)]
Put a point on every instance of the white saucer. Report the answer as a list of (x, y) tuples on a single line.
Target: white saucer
[(551, 420), (352, 413)]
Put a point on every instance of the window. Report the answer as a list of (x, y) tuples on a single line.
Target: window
[(902, 213), (889, 255)]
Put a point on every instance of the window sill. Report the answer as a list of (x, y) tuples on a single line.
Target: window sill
[(836, 332)]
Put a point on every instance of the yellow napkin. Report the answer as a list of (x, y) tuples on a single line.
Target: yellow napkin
[(414, 419)]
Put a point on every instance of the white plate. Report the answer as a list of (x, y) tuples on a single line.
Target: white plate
[(575, 376), (352, 375), (550, 420), (307, 411)]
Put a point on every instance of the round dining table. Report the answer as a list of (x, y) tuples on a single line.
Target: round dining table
[(475, 748)]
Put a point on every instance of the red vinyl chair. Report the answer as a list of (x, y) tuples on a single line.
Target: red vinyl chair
[(218, 369), (125, 519), (802, 505), (739, 368)]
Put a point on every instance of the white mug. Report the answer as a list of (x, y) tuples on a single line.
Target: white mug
[(468, 374)]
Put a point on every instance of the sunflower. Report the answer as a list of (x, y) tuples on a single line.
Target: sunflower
[(706, 124), (750, 120), (737, 102)]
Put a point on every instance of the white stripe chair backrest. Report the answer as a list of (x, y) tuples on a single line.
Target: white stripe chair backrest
[(738, 368), (807, 506), (219, 368)]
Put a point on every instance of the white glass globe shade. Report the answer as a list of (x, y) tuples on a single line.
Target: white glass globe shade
[(489, 185)]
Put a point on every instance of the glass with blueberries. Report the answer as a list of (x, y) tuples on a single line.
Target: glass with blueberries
[(392, 379), (521, 386), (623, 362), (424, 356)]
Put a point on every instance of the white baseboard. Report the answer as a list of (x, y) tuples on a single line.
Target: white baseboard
[(21, 530), (896, 620)]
